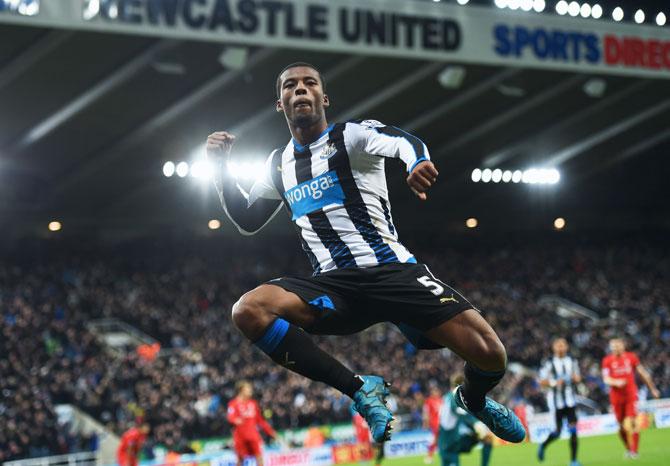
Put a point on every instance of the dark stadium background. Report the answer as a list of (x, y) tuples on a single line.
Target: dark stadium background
[(88, 120)]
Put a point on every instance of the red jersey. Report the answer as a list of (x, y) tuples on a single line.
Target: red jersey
[(245, 416), (431, 411), (130, 446), (621, 368), (361, 429)]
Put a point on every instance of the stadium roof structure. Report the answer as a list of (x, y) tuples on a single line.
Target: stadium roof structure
[(89, 119)]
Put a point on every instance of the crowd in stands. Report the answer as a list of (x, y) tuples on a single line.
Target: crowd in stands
[(49, 355)]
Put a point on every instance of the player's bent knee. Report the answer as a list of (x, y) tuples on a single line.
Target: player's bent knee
[(492, 355), (252, 313)]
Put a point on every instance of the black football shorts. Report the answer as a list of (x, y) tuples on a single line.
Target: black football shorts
[(350, 300)]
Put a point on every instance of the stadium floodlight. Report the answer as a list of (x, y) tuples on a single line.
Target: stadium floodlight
[(462, 2), (562, 7), (496, 176), (168, 169), (214, 224), (639, 16), (539, 5), (513, 4), (574, 9), (471, 222), (661, 19), (596, 11), (486, 175), (29, 8), (202, 169), (516, 176), (476, 175), (617, 14), (526, 5), (182, 169), (55, 225), (501, 3), (91, 10), (507, 176), (552, 176), (559, 223), (585, 10)]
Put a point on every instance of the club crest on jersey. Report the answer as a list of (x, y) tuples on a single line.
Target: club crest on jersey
[(329, 151), (314, 194)]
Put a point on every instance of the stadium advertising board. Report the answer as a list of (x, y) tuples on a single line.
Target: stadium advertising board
[(394, 27), (408, 444)]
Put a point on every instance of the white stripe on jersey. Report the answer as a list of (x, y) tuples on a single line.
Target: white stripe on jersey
[(555, 369), (337, 207)]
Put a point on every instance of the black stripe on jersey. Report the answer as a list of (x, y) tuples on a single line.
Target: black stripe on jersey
[(275, 172), (387, 214), (339, 251), (416, 143), (356, 208)]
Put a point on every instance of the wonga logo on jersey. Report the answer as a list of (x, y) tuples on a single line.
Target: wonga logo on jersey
[(315, 194)]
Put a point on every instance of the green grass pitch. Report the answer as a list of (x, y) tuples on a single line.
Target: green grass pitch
[(593, 451)]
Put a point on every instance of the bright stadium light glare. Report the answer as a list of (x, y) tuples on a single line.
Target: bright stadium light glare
[(501, 3), (182, 169), (539, 5), (496, 176), (617, 14), (526, 5), (585, 10), (486, 175), (661, 19), (639, 16), (553, 176), (471, 222), (574, 8), (55, 225), (597, 11), (202, 169), (476, 175), (559, 223), (168, 169), (513, 4), (462, 2), (506, 176), (516, 176), (214, 224), (562, 7)]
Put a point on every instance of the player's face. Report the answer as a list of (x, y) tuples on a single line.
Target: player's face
[(246, 391), (617, 346), (301, 98), (560, 347)]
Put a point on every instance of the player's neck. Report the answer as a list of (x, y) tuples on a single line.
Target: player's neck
[(307, 135)]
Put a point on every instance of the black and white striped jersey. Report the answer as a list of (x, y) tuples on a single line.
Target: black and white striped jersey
[(335, 192), (564, 369)]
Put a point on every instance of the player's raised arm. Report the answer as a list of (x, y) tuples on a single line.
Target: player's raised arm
[(389, 141), (646, 378), (250, 212)]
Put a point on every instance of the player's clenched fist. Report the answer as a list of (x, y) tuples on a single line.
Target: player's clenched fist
[(422, 178), (219, 144)]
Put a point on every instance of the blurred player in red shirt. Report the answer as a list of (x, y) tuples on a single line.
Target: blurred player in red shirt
[(245, 416), (619, 369), (431, 419), (364, 440), (131, 444)]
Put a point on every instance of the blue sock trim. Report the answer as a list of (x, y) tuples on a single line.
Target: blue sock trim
[(573, 430), (273, 336)]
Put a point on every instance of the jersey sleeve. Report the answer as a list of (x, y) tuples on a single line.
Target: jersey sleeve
[(249, 212), (634, 360), (381, 140), (575, 367), (233, 414), (545, 371)]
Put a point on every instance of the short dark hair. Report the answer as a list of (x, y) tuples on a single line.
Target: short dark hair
[(299, 64)]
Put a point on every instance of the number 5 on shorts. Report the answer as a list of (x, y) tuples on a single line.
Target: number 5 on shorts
[(434, 288)]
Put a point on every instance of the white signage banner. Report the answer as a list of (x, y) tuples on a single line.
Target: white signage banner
[(399, 28)]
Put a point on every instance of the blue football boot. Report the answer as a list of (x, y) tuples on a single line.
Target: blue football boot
[(501, 421), (370, 402), (540, 453)]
